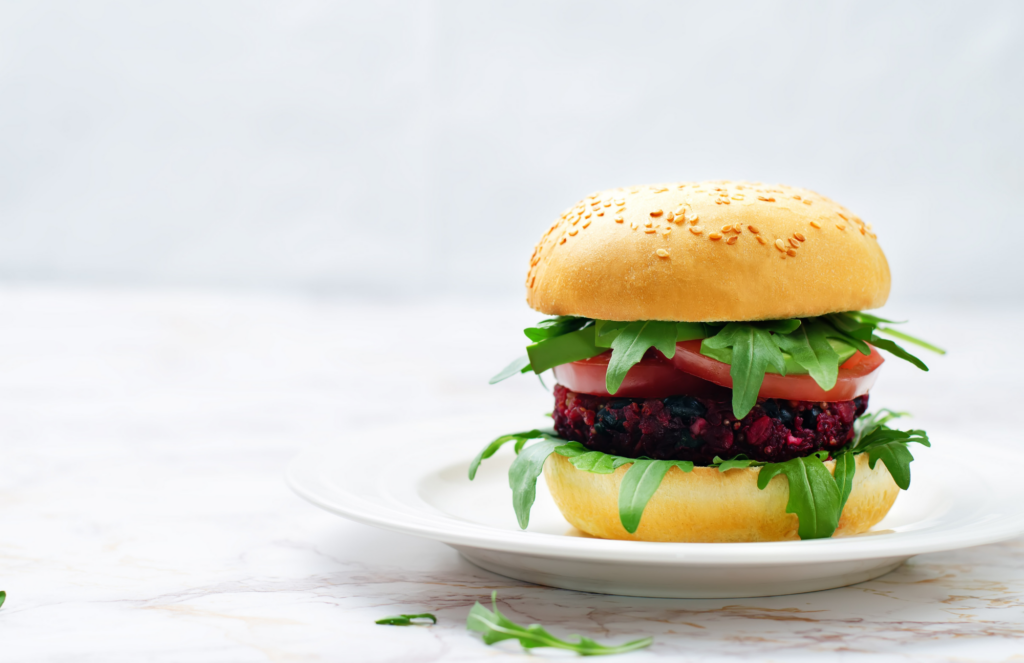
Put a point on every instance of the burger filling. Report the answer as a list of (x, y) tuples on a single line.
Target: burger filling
[(699, 429)]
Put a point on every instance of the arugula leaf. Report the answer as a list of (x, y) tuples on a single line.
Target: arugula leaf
[(813, 494), (522, 476), (606, 331), (3, 597), (521, 365), (638, 486), (690, 331), (884, 435), (897, 458), (585, 459), (739, 462), (809, 347), (910, 339), (496, 627), (563, 349), (493, 447), (406, 620), (779, 326), (846, 467), (553, 327), (869, 422), (632, 342), (891, 346), (753, 349)]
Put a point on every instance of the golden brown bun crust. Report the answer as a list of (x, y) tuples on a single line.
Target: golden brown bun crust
[(608, 258), (708, 506)]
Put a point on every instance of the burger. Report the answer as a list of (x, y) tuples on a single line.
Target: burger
[(713, 363)]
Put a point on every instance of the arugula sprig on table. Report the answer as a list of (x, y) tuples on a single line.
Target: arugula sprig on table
[(816, 495), (407, 620), (496, 627), (816, 346)]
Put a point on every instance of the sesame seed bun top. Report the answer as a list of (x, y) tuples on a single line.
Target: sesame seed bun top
[(707, 251)]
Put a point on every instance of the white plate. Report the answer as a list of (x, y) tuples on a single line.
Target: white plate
[(412, 479)]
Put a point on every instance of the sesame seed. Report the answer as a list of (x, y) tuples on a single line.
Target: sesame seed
[(791, 253), (562, 241), (694, 219), (780, 245), (715, 236), (727, 228), (572, 233), (607, 203), (601, 213), (795, 244), (796, 197), (762, 240), (648, 224), (696, 230), (585, 224), (840, 226), (815, 224), (670, 216), (732, 240), (618, 219), (532, 281), (753, 229), (863, 231), (656, 212), (799, 236), (738, 197), (587, 215), (575, 220), (662, 253), (842, 216), (766, 199), (807, 202), (651, 231)]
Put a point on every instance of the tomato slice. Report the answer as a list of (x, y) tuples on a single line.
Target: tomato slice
[(653, 377), (856, 376)]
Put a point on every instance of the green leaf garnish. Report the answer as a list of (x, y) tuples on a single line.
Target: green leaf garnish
[(813, 494), (891, 346), (406, 620), (3, 597), (846, 467), (520, 365), (638, 486), (753, 349), (493, 447), (496, 627), (552, 327), (564, 349), (522, 476), (809, 347), (632, 342), (739, 462), (897, 458)]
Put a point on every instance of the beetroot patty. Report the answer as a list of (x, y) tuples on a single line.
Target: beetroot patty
[(698, 429)]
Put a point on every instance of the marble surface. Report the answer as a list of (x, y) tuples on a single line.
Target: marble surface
[(145, 516)]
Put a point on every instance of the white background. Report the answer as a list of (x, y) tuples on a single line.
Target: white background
[(404, 148)]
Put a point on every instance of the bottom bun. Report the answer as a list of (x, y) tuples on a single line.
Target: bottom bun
[(708, 506)]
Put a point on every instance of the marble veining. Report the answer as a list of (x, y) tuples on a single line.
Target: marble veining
[(145, 516)]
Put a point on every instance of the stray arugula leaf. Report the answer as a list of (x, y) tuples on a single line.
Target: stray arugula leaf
[(638, 486), (3, 597), (632, 342), (493, 447), (552, 327), (521, 365), (496, 627), (893, 347), (813, 494), (564, 349), (846, 467), (406, 620), (522, 476), (753, 349), (809, 347)]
